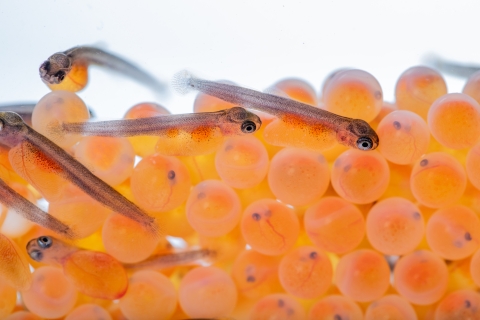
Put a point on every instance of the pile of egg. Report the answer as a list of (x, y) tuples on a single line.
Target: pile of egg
[(287, 233)]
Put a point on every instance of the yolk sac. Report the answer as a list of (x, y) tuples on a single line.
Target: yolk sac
[(298, 89), (14, 268)]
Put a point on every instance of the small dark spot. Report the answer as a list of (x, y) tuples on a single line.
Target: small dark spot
[(347, 168), (378, 95), (468, 304), (313, 255), (423, 163), (250, 279), (171, 175), (281, 303), (337, 317), (36, 255), (468, 236), (397, 125), (416, 215), (201, 195), (256, 216), (337, 163), (228, 148)]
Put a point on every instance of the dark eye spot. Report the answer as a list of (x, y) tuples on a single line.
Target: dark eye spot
[(397, 125), (60, 75), (256, 216), (378, 95), (423, 163), (281, 303), (337, 317), (313, 255), (250, 279), (171, 175), (46, 65), (468, 236), (249, 127), (468, 304), (36, 255), (44, 242), (416, 215)]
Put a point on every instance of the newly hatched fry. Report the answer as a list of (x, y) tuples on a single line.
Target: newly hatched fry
[(28, 145), (67, 70), (299, 124), (173, 259), (179, 135), (93, 273), (13, 200)]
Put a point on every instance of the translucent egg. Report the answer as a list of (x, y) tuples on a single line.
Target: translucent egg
[(390, 307), (335, 307)]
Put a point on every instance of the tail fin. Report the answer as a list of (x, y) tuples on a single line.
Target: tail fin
[(182, 82)]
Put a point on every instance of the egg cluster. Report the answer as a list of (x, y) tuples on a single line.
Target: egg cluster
[(256, 230)]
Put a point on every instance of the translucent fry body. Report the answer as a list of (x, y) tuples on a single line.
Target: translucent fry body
[(67, 70), (95, 274), (179, 135), (308, 126), (16, 134)]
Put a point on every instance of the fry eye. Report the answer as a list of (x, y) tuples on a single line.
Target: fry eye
[(44, 242), (60, 75), (249, 127), (364, 143)]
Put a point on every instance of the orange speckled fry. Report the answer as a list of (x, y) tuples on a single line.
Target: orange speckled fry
[(14, 267)]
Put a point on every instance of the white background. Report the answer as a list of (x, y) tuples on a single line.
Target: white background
[(253, 43)]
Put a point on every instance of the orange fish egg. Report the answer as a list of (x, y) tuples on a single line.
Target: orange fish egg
[(255, 274), (334, 225), (472, 87), (213, 208), (362, 275), (269, 227), (354, 94), (160, 183), (360, 177), (298, 89), (298, 177), (335, 307), (404, 137), (109, 158), (242, 162), (144, 145), (460, 304), (421, 277), (150, 295), (395, 226), (390, 307), (277, 306), (437, 180), (454, 232), (207, 292), (55, 108), (454, 120), (417, 88), (306, 272), (52, 295)]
